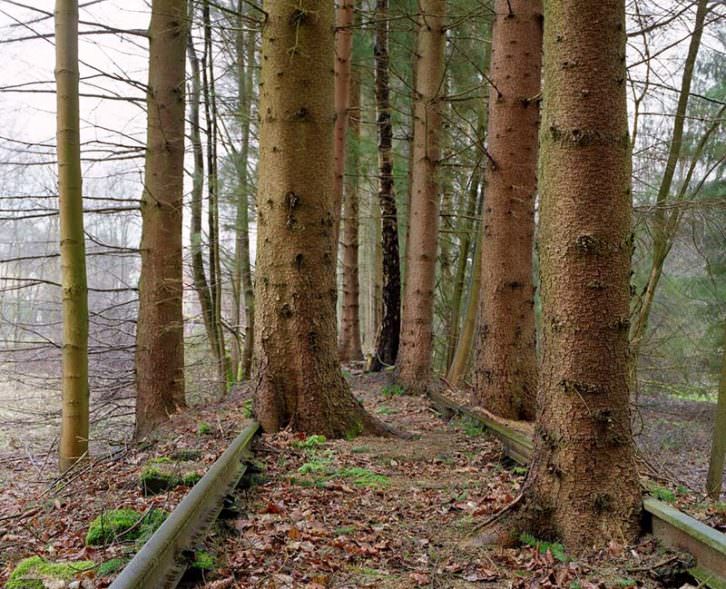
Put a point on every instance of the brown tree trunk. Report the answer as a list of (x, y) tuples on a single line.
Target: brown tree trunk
[(350, 344), (583, 484), (388, 336), (418, 301), (300, 382), (74, 423), (506, 365), (714, 481), (160, 327)]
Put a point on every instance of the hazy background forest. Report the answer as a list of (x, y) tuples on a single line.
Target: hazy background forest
[(680, 353)]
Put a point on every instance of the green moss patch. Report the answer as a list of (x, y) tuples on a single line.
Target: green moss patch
[(33, 572), (157, 477), (110, 567), (186, 455), (124, 525), (203, 561)]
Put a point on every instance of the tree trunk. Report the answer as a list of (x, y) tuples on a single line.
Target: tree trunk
[(243, 266), (74, 423), (583, 483), (506, 365), (661, 236), (418, 307), (387, 340), (350, 345), (160, 327), (215, 266), (199, 278), (300, 382), (714, 480)]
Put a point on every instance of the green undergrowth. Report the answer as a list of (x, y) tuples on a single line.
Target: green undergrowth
[(164, 473), (204, 429), (471, 427), (557, 550), (110, 567), (203, 561), (248, 409), (35, 572), (392, 390), (310, 442), (124, 525), (663, 494), (320, 468)]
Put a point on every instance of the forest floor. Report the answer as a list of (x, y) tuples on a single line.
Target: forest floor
[(363, 513)]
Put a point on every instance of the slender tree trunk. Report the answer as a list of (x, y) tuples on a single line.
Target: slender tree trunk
[(242, 275), (388, 337), (583, 483), (199, 278), (462, 355), (417, 321), (215, 266), (160, 327), (714, 480), (300, 382), (506, 365), (350, 346), (661, 237), (74, 423)]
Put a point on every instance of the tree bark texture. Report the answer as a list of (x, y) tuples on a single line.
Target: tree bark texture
[(350, 340), (506, 365), (418, 301), (583, 484), (160, 329), (74, 422), (300, 384), (388, 337)]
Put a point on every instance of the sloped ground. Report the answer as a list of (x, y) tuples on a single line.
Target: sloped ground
[(367, 512)]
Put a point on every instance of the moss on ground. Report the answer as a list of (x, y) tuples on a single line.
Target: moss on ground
[(125, 525), (156, 480), (110, 567), (31, 573), (203, 561)]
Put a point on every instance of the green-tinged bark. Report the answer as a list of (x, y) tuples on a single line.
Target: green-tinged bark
[(74, 424), (714, 480)]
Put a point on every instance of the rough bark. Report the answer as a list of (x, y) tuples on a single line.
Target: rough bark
[(388, 337), (583, 484), (159, 331), (350, 340), (300, 384), (714, 481), (506, 365), (417, 317), (74, 423)]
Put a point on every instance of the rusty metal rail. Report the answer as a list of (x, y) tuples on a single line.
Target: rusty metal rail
[(671, 526), (161, 562)]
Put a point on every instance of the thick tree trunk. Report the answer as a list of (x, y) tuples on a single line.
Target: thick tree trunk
[(583, 483), (388, 337), (160, 327), (74, 423), (418, 301), (714, 480), (300, 382), (506, 365), (350, 344)]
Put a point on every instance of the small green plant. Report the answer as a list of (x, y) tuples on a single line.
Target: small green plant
[(575, 585), (392, 390), (663, 494), (362, 477), (315, 466), (203, 428), (310, 442), (110, 567), (34, 572), (471, 427), (626, 583), (557, 550), (124, 525), (203, 561), (520, 470), (681, 490), (248, 409), (191, 478), (344, 530), (160, 460)]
